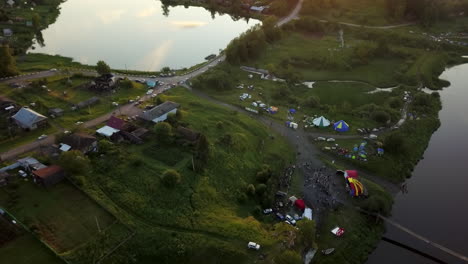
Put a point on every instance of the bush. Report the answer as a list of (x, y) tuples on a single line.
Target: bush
[(380, 117), (313, 101), (171, 178), (260, 189), (250, 189), (395, 103), (163, 131)]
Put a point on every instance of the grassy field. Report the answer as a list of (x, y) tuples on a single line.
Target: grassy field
[(61, 216), (365, 12), (26, 249), (208, 214)]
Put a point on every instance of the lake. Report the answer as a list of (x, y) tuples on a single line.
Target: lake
[(137, 35), (436, 206)]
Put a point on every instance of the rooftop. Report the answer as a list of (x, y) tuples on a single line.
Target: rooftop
[(159, 110)]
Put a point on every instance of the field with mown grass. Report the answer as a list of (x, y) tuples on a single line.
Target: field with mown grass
[(25, 249), (208, 215), (62, 216)]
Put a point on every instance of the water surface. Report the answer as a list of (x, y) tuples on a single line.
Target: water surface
[(137, 35), (437, 203)]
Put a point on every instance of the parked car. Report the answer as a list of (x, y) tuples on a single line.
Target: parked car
[(268, 211), (253, 245), (42, 137), (153, 76), (53, 70), (290, 220), (280, 216), (22, 173), (150, 91)]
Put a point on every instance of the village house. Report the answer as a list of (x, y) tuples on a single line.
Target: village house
[(79, 141), (29, 119), (160, 112), (49, 176), (55, 112), (113, 126), (89, 102), (30, 164)]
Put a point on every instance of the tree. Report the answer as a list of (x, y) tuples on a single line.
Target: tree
[(74, 162), (202, 151), (36, 21), (163, 131), (171, 178), (7, 62), (102, 68), (396, 144), (306, 234), (381, 117)]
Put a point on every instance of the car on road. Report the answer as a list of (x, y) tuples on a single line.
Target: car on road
[(253, 245), (41, 137), (78, 123), (150, 91), (290, 220), (53, 70), (268, 211), (153, 76)]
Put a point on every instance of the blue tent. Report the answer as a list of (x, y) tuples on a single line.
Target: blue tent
[(341, 126), (292, 111)]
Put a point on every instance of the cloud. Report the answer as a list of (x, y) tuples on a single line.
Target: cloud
[(188, 24), (110, 16), (147, 12), (154, 59)]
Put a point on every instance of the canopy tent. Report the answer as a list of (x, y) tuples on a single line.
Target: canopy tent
[(341, 126), (321, 122), (300, 204), (351, 174), (355, 186)]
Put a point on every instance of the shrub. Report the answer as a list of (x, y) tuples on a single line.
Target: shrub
[(163, 131), (313, 101), (260, 189), (395, 103), (171, 178), (381, 117), (250, 189), (396, 144)]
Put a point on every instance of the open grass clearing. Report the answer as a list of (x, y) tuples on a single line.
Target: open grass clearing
[(62, 216)]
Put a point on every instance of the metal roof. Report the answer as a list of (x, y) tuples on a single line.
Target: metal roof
[(159, 110), (28, 117)]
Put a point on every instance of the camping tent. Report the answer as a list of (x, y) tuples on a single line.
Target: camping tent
[(300, 204), (355, 186), (341, 126), (321, 122), (272, 110), (292, 111)]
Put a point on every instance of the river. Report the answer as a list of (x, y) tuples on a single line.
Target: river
[(137, 35), (436, 205)]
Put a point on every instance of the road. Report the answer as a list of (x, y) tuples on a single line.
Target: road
[(370, 27)]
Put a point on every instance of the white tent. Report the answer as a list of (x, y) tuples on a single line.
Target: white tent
[(321, 122)]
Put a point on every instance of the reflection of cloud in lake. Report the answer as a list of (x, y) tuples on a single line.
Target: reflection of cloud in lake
[(110, 16), (188, 24), (153, 60), (147, 12)]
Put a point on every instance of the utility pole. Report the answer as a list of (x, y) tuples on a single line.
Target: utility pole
[(97, 223)]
